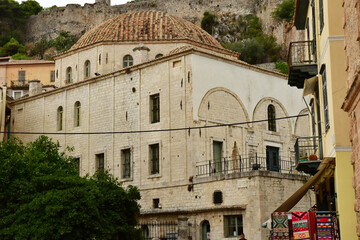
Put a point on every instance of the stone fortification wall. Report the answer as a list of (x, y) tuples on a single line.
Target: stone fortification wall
[(78, 19)]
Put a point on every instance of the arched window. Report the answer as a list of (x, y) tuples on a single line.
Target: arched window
[(128, 61), (87, 69), (271, 118), (69, 75), (159, 55), (77, 114), (60, 112)]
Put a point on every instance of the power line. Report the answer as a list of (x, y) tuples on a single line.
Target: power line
[(155, 130)]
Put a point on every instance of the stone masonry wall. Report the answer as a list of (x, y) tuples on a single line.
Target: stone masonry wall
[(352, 49)]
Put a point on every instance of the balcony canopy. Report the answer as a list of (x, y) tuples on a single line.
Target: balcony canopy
[(301, 13)]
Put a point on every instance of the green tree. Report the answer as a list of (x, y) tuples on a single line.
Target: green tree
[(12, 47), (30, 7), (64, 41), (284, 11), (40, 48), (208, 22), (42, 197)]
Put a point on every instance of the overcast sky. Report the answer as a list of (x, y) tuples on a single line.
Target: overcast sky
[(61, 3)]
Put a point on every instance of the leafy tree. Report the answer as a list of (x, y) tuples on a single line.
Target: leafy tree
[(284, 11), (208, 22), (12, 47), (40, 48), (64, 41), (30, 7), (249, 26), (42, 197)]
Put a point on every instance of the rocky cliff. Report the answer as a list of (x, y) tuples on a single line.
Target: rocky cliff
[(78, 19)]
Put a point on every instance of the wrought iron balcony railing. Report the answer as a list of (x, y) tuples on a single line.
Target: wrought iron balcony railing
[(19, 83), (301, 53), (229, 165), (302, 62), (306, 148)]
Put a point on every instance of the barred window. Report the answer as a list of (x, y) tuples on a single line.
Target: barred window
[(155, 108), (271, 118), (154, 158), (100, 161), (126, 163)]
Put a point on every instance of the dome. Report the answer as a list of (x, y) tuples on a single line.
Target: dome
[(145, 26)]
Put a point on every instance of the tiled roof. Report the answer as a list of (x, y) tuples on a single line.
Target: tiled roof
[(145, 26)]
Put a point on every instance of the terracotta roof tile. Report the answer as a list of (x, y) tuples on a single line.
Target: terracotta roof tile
[(145, 26)]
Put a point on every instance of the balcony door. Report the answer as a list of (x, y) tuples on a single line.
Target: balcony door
[(272, 159), (217, 154)]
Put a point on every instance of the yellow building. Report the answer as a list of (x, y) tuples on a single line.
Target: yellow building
[(318, 66), (15, 74)]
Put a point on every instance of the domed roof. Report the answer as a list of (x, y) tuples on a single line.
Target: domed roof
[(145, 26)]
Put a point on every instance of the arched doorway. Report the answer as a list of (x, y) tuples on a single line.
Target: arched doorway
[(205, 230)]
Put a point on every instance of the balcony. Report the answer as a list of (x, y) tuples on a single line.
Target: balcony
[(302, 62), (308, 154), (19, 83), (238, 164)]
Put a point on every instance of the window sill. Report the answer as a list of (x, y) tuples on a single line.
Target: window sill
[(126, 179), (158, 175)]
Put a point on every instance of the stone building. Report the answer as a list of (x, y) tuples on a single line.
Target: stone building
[(159, 103), (351, 105)]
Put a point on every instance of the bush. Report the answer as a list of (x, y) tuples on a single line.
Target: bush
[(284, 11), (208, 22), (19, 56), (256, 50), (282, 67), (249, 26)]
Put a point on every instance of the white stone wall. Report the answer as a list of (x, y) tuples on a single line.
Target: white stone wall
[(195, 90)]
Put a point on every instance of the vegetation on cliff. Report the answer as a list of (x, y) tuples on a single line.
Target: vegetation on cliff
[(42, 196), (284, 11), (251, 42)]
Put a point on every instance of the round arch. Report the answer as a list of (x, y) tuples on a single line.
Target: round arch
[(274, 101), (219, 89)]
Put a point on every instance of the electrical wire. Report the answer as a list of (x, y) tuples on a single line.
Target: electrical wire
[(151, 131)]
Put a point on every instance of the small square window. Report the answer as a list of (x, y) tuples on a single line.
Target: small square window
[(156, 202), (155, 108), (100, 161)]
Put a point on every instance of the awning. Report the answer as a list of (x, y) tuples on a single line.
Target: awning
[(310, 85), (296, 197)]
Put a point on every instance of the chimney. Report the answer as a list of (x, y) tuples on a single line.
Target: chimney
[(35, 87), (141, 54)]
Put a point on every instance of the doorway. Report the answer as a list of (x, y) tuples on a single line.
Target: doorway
[(205, 230), (272, 159)]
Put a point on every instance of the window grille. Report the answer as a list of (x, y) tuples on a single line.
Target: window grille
[(100, 161), (325, 99), (218, 197), (271, 118), (77, 113), (155, 108), (154, 158), (126, 161)]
